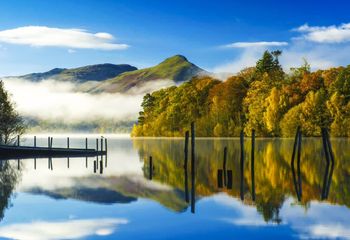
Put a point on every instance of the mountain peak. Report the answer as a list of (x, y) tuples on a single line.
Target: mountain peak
[(176, 59)]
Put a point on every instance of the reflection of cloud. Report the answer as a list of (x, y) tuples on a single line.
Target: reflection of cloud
[(71, 229), (42, 36), (246, 215), (322, 220)]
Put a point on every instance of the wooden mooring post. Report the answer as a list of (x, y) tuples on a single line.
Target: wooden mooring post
[(193, 167), (252, 170), (242, 164)]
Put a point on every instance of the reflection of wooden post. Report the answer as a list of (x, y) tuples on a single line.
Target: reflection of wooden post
[(298, 164), (252, 165), (193, 167), (150, 168), (224, 165), (34, 163), (95, 166), (242, 163), (101, 165)]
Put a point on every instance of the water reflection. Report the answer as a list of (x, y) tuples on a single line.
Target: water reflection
[(272, 182), (159, 170)]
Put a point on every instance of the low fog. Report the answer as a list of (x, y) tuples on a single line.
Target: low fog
[(59, 101)]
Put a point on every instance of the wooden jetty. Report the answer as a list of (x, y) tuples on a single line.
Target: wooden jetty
[(8, 152)]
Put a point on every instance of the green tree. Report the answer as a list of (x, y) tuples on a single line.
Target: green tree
[(11, 123)]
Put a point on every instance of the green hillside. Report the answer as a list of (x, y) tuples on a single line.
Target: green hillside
[(176, 68)]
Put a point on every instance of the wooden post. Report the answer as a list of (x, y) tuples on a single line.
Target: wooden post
[(51, 140), (68, 162), (68, 142), (95, 166), (101, 144), (106, 145), (34, 163), (252, 170), (242, 163), (193, 172), (86, 147), (224, 165), (34, 141), (187, 135), (97, 144), (48, 142), (18, 141)]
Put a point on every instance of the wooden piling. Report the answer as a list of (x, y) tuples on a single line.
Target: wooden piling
[(252, 170), (193, 167), (242, 164), (86, 147), (187, 135), (95, 166), (106, 152), (18, 140), (34, 163), (68, 142), (101, 144), (219, 178), (34, 141), (97, 144)]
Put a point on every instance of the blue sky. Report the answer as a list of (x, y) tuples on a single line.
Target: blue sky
[(208, 33)]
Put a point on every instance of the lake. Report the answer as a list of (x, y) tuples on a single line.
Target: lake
[(126, 202)]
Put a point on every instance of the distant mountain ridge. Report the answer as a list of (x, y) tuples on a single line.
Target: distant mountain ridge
[(97, 72), (122, 78)]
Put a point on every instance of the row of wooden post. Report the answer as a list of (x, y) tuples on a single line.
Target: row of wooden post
[(50, 140)]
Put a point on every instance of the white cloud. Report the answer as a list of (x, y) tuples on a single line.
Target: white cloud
[(325, 34), (255, 44), (71, 229), (42, 36)]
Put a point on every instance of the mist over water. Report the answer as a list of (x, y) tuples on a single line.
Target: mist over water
[(61, 102)]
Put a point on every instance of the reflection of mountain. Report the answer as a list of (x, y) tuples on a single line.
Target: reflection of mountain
[(273, 179), (97, 195), (110, 190)]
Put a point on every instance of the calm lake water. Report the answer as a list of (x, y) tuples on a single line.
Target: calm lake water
[(123, 203)]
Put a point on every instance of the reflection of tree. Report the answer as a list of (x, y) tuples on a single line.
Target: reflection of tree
[(9, 177), (273, 179)]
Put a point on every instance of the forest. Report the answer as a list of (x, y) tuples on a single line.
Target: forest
[(264, 98)]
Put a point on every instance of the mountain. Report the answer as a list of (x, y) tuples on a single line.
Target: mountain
[(176, 68), (98, 72)]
